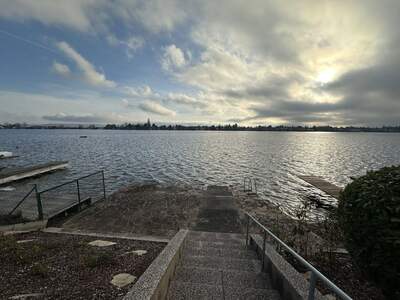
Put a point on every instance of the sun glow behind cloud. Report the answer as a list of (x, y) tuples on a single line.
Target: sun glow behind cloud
[(304, 62)]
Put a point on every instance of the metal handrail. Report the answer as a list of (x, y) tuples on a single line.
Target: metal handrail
[(23, 199), (71, 181), (314, 272)]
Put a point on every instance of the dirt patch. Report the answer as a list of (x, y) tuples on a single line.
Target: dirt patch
[(62, 266), (12, 219), (145, 209)]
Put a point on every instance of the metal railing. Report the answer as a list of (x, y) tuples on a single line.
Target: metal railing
[(34, 188), (249, 183), (315, 274), (76, 182)]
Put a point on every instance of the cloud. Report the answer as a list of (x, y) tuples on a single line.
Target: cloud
[(88, 71), (173, 58), (77, 14), (154, 15), (82, 118), (141, 91), (156, 108), (132, 44), (61, 69), (97, 16), (183, 99)]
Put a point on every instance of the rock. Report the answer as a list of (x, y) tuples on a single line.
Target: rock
[(136, 252), (26, 296), (24, 241), (7, 189), (139, 252), (329, 297), (123, 279), (100, 243)]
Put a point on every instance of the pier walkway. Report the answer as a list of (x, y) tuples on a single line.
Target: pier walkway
[(8, 175), (323, 185), (219, 212)]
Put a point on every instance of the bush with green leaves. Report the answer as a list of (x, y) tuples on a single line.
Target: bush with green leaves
[(369, 215)]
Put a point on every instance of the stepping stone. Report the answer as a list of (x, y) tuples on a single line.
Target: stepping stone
[(136, 252), (26, 296), (123, 279), (100, 243), (24, 241)]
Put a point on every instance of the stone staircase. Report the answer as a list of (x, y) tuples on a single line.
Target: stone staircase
[(219, 266)]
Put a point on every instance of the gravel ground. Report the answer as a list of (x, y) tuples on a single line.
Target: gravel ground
[(145, 209), (62, 266)]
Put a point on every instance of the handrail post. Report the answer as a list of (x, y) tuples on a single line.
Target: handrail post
[(39, 203), (247, 231), (79, 194), (263, 255), (104, 185), (311, 290)]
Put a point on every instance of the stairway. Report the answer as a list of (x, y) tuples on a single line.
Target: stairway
[(219, 266)]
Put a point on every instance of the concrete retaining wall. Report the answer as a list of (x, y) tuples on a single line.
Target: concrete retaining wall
[(29, 226), (154, 282), (287, 280)]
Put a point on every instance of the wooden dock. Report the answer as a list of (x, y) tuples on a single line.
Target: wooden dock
[(8, 175), (323, 185)]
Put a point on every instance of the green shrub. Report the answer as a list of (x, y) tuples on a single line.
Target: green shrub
[(369, 215), (93, 260), (39, 269)]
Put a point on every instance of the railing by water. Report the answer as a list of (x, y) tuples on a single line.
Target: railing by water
[(72, 193), (315, 274), (250, 185)]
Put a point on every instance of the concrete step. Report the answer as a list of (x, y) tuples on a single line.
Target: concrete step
[(189, 291), (226, 277), (220, 263), (228, 244), (198, 275), (179, 290), (220, 252), (217, 236), (241, 293), (243, 279)]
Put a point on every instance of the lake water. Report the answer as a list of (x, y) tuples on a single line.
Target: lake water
[(204, 157)]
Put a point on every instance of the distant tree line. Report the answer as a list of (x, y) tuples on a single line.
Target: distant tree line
[(236, 127), (228, 127)]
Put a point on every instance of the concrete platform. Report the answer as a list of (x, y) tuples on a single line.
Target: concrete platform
[(219, 213)]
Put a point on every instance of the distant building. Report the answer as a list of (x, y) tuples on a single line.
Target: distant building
[(148, 125)]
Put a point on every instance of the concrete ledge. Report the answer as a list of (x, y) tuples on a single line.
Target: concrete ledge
[(127, 236), (154, 282), (29, 226), (287, 280)]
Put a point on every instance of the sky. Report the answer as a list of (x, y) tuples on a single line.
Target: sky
[(267, 62)]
